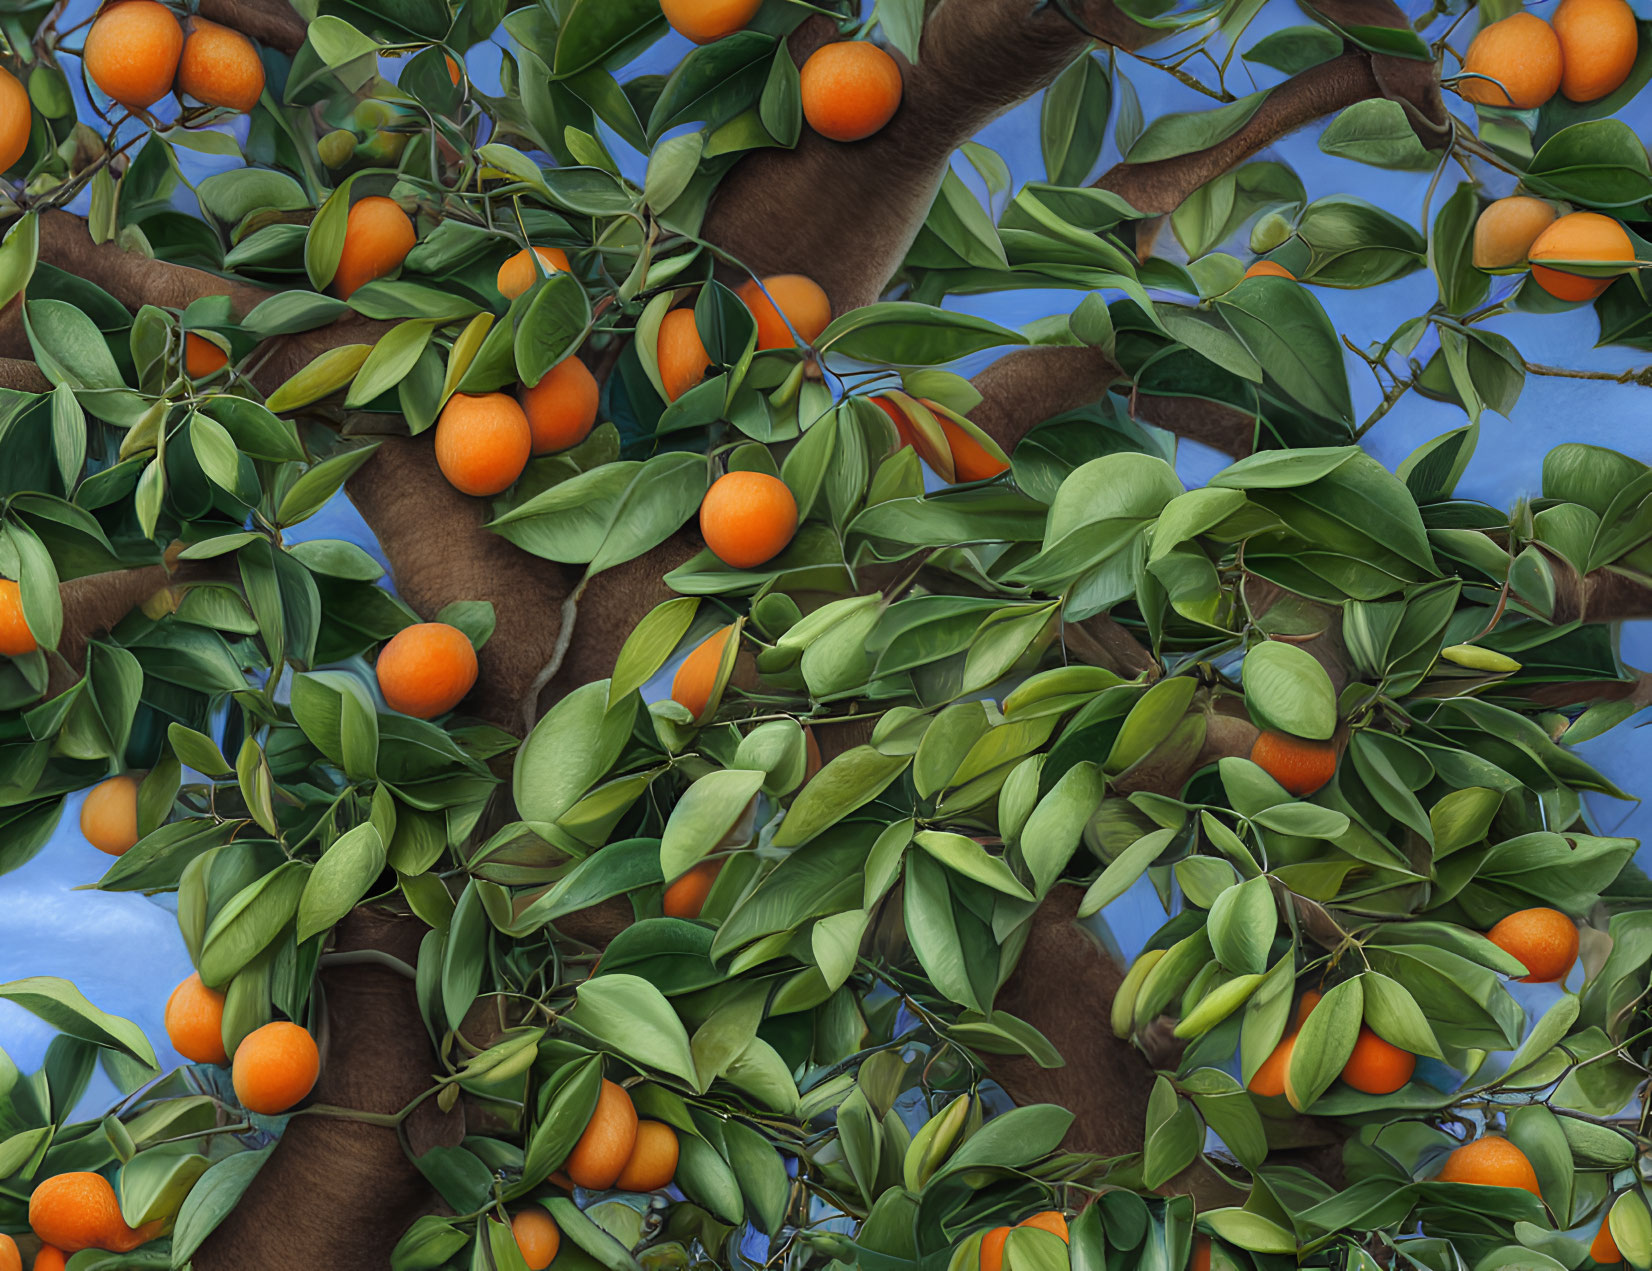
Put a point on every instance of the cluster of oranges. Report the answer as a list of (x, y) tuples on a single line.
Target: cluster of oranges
[(619, 1150), (274, 1067), (850, 89), (136, 53), (992, 1244), (1545, 941), (780, 305), (484, 440), (426, 669), (1523, 61), (1523, 230)]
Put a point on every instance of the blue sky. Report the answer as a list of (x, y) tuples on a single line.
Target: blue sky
[(124, 950)]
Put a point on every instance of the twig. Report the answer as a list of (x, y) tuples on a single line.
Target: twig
[(564, 637)]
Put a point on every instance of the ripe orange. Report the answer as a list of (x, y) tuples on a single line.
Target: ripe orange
[(790, 298), (1376, 1066), (425, 670), (1269, 269), (691, 687), (992, 1249), (1506, 230), (747, 518), (1579, 236), (275, 1066), (220, 67), (132, 52), (1522, 54), (1305, 1007), (971, 461), (16, 118), (109, 817), (1604, 1248), (50, 1259), (377, 237), (605, 1147), (851, 89), (452, 69), (1300, 765), (195, 1022), (687, 896), (15, 637), (1269, 1079), (78, 1211), (202, 357), (706, 20), (681, 354), (537, 1236), (482, 442), (562, 407), (10, 1258), (1490, 1161), (653, 1161), (519, 273), (1598, 45), (1050, 1220), (1544, 939)]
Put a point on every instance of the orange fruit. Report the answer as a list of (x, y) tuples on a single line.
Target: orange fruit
[(109, 817), (452, 69), (562, 407), (1050, 1220), (1522, 54), (1579, 236), (519, 273), (783, 299), (1269, 1079), (10, 1258), (1506, 230), (132, 52), (691, 687), (377, 237), (202, 357), (482, 442), (706, 20), (1604, 1248), (50, 1259), (425, 670), (687, 896), (681, 354), (851, 89), (1598, 45), (1545, 940), (602, 1151), (220, 67), (992, 1249), (653, 1161), (971, 461), (1269, 269), (275, 1066), (1300, 765), (195, 1022), (748, 518), (15, 637), (78, 1211), (1376, 1066), (16, 118), (1490, 1161), (1305, 1008), (537, 1236)]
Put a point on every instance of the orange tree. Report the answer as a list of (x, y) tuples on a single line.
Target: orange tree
[(499, 963)]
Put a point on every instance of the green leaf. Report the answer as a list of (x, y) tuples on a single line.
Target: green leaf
[(631, 1017), (1287, 688), (1289, 334), (1073, 120), (391, 360), (573, 745), (66, 1009), (212, 1198), (1121, 874), (707, 812), (1172, 135), (1242, 924), (904, 333), (250, 922), (339, 880), (309, 494), (1324, 1044)]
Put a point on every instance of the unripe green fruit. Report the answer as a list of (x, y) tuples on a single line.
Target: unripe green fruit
[(337, 147), (1269, 232)]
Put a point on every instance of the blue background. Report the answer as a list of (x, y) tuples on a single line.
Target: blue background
[(124, 950)]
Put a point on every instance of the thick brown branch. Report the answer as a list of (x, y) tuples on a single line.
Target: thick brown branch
[(270, 22), (1602, 595), (846, 214), (22, 377)]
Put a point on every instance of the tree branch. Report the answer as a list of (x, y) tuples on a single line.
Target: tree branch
[(271, 22)]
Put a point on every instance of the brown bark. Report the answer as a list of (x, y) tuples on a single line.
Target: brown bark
[(340, 1192), (270, 22)]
